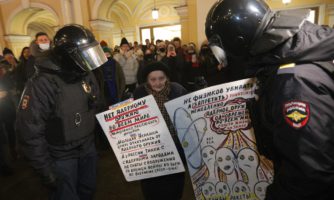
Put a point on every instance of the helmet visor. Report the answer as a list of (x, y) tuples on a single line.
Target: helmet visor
[(218, 50), (93, 56)]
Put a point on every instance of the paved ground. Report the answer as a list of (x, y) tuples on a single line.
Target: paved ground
[(111, 184)]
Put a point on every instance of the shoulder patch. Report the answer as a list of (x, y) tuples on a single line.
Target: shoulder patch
[(296, 113), (25, 102)]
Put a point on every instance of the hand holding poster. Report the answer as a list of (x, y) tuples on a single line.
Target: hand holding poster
[(214, 128), (140, 139)]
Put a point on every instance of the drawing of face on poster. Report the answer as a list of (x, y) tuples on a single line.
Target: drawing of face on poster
[(225, 159), (190, 133), (248, 161), (208, 156), (240, 190), (222, 189), (260, 189), (208, 190)]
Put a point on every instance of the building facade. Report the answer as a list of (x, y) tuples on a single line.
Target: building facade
[(110, 20)]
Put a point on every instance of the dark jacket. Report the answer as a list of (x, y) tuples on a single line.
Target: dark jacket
[(7, 107), (111, 79), (176, 91), (45, 123), (36, 54), (295, 114), (176, 67)]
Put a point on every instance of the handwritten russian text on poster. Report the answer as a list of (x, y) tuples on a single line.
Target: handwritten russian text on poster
[(140, 140), (215, 131)]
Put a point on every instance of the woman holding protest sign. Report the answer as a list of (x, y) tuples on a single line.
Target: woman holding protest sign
[(157, 76)]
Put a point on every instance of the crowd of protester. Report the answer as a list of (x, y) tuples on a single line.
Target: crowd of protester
[(193, 68)]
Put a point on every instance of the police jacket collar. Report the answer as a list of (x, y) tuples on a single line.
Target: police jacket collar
[(47, 63)]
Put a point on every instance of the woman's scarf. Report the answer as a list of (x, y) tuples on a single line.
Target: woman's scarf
[(161, 98)]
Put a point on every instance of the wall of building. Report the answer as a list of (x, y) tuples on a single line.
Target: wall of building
[(111, 20)]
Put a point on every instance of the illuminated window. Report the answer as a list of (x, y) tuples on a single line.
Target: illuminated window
[(160, 32), (145, 34)]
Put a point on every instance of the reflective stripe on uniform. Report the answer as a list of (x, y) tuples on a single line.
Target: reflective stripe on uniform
[(287, 69)]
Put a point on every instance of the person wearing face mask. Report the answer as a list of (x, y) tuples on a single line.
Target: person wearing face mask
[(129, 63), (113, 79), (208, 63), (39, 48), (148, 58), (161, 50), (193, 74), (174, 62)]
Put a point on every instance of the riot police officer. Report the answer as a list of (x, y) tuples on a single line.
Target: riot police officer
[(56, 114), (293, 118)]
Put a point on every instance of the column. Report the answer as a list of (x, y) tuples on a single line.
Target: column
[(117, 36), (129, 34), (182, 11), (330, 14), (17, 42), (102, 30)]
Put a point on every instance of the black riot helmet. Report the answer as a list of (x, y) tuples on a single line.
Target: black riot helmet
[(233, 26), (76, 45)]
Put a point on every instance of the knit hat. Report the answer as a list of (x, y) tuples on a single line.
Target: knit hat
[(7, 51), (103, 43), (155, 66), (124, 41), (107, 50)]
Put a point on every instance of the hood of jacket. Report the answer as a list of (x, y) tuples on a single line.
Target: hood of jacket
[(43, 60), (308, 43), (36, 51)]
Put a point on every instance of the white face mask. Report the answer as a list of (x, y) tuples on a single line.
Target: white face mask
[(45, 46)]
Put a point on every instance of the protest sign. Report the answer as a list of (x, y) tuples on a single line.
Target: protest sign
[(214, 128), (140, 139)]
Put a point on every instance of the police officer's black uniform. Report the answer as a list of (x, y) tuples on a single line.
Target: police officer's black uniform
[(56, 115), (293, 118)]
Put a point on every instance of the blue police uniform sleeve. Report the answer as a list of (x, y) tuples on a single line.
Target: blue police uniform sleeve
[(33, 111), (303, 108)]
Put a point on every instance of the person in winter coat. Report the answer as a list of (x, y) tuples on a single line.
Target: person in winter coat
[(7, 107), (129, 63), (21, 68), (38, 49), (7, 116), (157, 83), (293, 116), (56, 115), (114, 80)]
